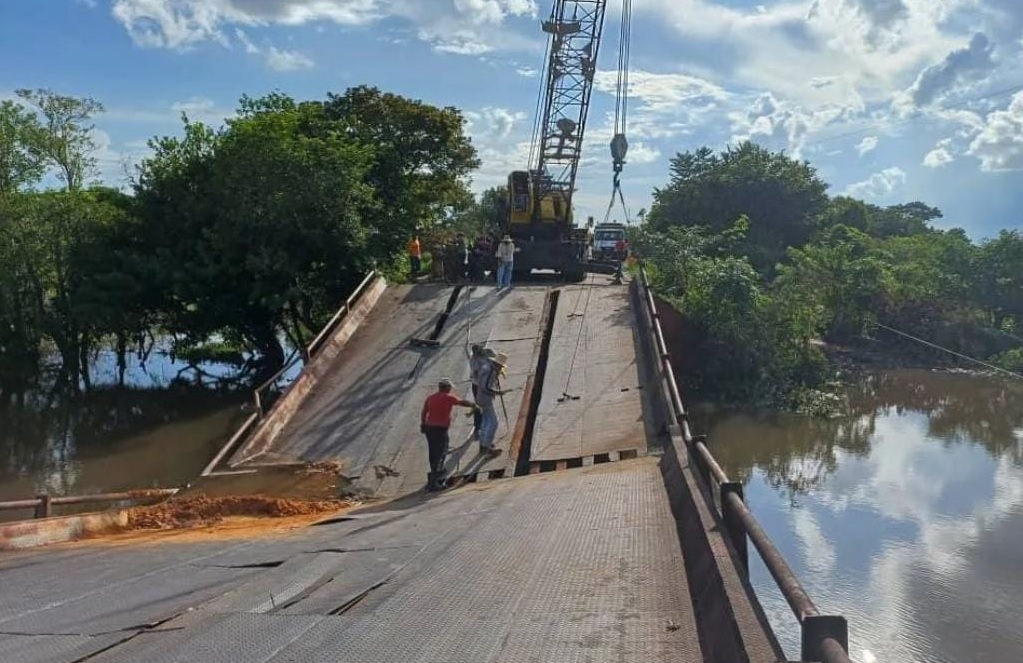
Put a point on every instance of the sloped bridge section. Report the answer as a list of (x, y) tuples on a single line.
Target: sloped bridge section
[(590, 561)]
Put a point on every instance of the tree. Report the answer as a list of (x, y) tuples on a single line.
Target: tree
[(420, 159), (20, 161), (478, 216), (257, 229), (64, 138), (1000, 279), (838, 275), (781, 198)]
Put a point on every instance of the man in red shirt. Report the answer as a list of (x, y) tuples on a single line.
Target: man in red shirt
[(435, 420)]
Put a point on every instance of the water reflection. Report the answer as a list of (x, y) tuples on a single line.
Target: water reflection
[(905, 513), (159, 429)]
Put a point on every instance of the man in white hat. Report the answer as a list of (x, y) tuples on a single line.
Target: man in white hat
[(434, 422), (505, 262), (488, 388)]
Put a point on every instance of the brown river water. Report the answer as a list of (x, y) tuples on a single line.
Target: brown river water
[(904, 513), (159, 430)]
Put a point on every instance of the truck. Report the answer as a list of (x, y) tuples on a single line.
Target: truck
[(606, 238), (538, 211)]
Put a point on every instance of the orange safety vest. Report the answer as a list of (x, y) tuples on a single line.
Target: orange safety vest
[(414, 249)]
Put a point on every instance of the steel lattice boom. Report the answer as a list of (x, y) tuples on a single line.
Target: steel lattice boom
[(575, 28)]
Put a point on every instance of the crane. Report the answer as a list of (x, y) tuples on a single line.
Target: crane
[(538, 211)]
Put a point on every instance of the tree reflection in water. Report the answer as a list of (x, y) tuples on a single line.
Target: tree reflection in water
[(796, 454)]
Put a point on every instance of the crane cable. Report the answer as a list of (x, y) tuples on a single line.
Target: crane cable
[(619, 144), (545, 82)]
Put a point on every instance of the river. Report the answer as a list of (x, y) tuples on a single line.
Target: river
[(904, 513), (157, 430)]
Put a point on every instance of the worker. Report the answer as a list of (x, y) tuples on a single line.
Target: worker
[(505, 262), (479, 359), (435, 420), (415, 255), (489, 387)]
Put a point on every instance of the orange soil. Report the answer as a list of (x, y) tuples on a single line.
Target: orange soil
[(201, 511)]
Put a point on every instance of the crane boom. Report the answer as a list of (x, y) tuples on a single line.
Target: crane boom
[(575, 28), (538, 211)]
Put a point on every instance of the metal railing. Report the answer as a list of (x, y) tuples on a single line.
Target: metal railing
[(266, 394), (43, 504), (824, 638)]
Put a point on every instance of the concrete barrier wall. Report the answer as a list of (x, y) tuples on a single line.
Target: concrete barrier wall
[(284, 409), (730, 621), (32, 533)]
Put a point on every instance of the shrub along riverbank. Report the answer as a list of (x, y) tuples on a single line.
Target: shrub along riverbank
[(769, 270)]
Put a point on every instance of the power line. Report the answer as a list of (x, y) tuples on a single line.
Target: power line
[(960, 104), (951, 352)]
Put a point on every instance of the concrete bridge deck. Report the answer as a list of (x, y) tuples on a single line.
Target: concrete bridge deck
[(610, 561)]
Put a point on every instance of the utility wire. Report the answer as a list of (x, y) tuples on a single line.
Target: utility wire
[(876, 126), (951, 352)]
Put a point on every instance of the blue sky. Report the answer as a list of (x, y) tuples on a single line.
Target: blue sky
[(892, 100)]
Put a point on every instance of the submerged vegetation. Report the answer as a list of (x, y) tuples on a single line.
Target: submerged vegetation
[(231, 240)]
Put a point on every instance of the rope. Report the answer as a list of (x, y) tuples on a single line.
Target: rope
[(579, 338), (617, 196), (951, 352)]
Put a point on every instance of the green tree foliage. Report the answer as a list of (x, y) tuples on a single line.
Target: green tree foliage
[(256, 228), (64, 137), (748, 344), (845, 265), (838, 277), (21, 163), (477, 216), (420, 157), (781, 197)]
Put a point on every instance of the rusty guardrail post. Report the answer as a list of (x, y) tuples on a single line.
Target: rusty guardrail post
[(824, 638), (733, 525), (45, 507)]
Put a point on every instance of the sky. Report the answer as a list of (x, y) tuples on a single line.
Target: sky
[(891, 100)]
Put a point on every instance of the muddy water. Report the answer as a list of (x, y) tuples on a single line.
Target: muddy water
[(905, 513), (157, 430)]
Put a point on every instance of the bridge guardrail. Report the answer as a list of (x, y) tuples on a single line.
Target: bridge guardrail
[(265, 394), (824, 638), (43, 504)]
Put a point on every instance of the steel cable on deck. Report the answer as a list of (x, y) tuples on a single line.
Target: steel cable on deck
[(565, 396)]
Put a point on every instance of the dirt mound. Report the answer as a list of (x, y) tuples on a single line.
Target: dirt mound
[(200, 510)]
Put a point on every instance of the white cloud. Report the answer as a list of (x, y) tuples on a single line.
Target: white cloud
[(782, 124), (868, 144), (968, 64), (879, 184), (867, 48), (243, 38), (528, 72), (457, 26), (999, 143), (201, 109), (284, 60), (941, 155)]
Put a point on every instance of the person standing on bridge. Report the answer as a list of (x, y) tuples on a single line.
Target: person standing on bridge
[(415, 255), (505, 262), (490, 386), (479, 361), (434, 422)]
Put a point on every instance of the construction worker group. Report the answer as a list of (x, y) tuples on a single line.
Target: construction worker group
[(460, 260), (486, 368)]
